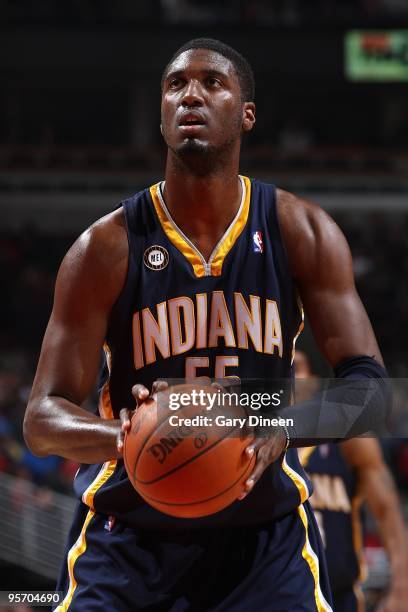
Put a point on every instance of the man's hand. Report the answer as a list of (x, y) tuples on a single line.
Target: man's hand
[(268, 449), (141, 394)]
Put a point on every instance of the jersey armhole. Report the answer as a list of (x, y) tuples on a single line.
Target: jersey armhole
[(129, 221), (284, 263)]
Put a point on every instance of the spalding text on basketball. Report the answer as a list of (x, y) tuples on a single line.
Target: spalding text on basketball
[(162, 449)]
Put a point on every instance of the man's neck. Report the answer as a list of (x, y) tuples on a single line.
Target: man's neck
[(203, 206)]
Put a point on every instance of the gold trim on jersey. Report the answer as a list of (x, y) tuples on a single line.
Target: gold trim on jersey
[(357, 532), (304, 454), (173, 234), (356, 528), (297, 479), (200, 266), (300, 329), (312, 560), (105, 406), (233, 232), (359, 595), (104, 474), (106, 412), (76, 551)]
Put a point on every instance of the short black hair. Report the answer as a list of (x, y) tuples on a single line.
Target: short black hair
[(242, 66)]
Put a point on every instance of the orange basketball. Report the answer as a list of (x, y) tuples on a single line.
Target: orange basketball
[(189, 462)]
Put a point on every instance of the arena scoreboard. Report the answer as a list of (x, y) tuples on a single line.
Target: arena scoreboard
[(376, 55)]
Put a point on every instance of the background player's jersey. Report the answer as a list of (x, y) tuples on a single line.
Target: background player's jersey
[(179, 316), (336, 505)]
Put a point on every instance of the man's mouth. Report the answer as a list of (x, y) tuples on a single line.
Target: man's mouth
[(191, 122), (191, 118)]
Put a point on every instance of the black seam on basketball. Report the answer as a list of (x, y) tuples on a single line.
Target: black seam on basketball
[(145, 440), (202, 501), (158, 425), (175, 469)]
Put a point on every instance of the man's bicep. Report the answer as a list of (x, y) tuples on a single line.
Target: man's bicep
[(325, 278), (339, 322), (70, 359), (71, 350)]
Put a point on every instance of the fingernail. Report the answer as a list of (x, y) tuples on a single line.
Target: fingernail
[(250, 451), (249, 484), (241, 497)]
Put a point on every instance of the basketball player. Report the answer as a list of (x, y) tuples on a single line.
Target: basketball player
[(197, 275), (343, 476)]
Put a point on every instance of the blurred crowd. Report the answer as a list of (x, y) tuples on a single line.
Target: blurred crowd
[(265, 12), (28, 264), (29, 260), (71, 131), (379, 243)]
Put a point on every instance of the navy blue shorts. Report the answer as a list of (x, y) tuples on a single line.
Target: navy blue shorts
[(349, 600), (277, 567)]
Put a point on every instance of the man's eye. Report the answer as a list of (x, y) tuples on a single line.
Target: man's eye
[(213, 82), (174, 83)]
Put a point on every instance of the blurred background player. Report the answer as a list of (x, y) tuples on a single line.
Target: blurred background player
[(344, 476)]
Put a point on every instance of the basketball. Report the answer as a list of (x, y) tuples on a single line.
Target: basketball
[(184, 462)]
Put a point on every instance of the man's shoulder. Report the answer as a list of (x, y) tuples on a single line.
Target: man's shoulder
[(301, 218), (107, 237), (309, 233), (293, 207), (99, 250)]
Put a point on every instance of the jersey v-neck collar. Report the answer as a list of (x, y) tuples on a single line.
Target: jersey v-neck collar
[(201, 267)]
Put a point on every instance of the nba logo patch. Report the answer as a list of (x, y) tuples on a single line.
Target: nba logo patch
[(258, 242)]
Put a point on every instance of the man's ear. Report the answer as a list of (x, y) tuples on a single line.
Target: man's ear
[(161, 129), (248, 119)]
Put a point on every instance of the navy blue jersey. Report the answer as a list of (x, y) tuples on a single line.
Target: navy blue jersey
[(180, 316), (336, 504)]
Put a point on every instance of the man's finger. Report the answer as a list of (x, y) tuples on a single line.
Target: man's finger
[(125, 416), (266, 454), (217, 386), (253, 478), (140, 393), (159, 385), (120, 441), (256, 474), (255, 446)]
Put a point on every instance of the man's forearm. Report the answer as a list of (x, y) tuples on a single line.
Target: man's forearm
[(357, 403), (56, 426), (394, 538)]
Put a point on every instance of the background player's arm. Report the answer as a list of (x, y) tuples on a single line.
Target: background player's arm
[(322, 267), (88, 284), (378, 488)]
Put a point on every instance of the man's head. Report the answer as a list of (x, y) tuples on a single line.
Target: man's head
[(207, 103)]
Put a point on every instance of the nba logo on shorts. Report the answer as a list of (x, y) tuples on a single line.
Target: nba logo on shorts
[(258, 242)]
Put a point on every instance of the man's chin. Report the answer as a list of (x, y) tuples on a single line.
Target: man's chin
[(193, 146), (201, 157)]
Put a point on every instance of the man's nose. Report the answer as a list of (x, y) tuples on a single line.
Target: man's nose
[(193, 94)]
